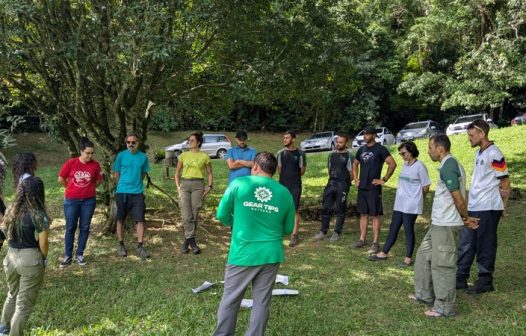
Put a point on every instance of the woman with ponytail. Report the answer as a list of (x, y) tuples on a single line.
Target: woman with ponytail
[(25, 226), (80, 175)]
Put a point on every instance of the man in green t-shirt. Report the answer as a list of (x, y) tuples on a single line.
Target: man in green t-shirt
[(261, 211)]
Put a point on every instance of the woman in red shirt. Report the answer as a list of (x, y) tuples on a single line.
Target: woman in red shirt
[(80, 176)]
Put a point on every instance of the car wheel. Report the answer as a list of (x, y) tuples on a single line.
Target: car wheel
[(384, 142), (332, 146), (221, 153), (177, 153)]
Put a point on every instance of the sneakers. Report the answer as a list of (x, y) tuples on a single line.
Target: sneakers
[(294, 240), (358, 244), (121, 252), (335, 237), (374, 248), (80, 260), (319, 236), (185, 249), (65, 262), (142, 253), (461, 284)]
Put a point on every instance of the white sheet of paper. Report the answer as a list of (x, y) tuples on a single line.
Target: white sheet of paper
[(204, 286), (247, 303), (285, 291), (284, 279)]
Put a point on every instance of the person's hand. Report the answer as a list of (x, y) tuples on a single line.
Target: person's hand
[(377, 182), (471, 222), (356, 182), (206, 191)]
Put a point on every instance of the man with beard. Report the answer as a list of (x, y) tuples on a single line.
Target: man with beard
[(240, 159), (291, 167), (367, 168), (488, 195), (335, 194)]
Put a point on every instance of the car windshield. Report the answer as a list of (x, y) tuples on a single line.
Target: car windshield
[(321, 135), (379, 131), (416, 125), (469, 118)]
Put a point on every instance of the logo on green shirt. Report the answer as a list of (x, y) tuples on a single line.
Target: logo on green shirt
[(263, 194)]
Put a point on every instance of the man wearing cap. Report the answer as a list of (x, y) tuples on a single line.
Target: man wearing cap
[(367, 168), (240, 158)]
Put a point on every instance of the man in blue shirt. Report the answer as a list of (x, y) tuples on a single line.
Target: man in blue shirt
[(129, 169), (240, 159)]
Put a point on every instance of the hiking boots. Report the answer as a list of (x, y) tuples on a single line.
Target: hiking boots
[(193, 246), (185, 248), (479, 289), (319, 236), (142, 253), (294, 240)]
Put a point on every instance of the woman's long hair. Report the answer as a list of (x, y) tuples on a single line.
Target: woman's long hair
[(24, 163), (29, 199)]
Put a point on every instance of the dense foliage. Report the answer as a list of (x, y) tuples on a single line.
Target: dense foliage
[(103, 67)]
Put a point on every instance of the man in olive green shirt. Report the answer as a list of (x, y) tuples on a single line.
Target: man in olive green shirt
[(261, 211)]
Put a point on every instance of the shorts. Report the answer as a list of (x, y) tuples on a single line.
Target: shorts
[(295, 191), (130, 203), (370, 202)]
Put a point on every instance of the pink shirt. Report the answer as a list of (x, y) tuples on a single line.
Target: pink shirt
[(81, 178)]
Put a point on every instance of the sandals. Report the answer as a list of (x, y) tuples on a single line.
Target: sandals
[(418, 300), (432, 313)]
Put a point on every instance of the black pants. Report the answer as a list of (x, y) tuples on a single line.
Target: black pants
[(481, 242), (334, 195), (397, 220)]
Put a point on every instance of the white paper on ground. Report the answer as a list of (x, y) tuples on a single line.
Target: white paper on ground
[(247, 303), (284, 279), (204, 286), (285, 291)]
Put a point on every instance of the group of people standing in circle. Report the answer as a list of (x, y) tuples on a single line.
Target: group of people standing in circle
[(25, 223)]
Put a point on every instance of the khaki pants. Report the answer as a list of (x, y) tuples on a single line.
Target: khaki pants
[(436, 267), (24, 269), (190, 201)]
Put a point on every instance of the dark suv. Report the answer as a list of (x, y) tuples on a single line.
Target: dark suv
[(419, 129)]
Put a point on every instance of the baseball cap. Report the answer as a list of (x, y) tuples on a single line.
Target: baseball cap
[(241, 135), (369, 130)]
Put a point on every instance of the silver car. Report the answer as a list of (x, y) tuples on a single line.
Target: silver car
[(461, 124), (417, 130), (319, 141), (383, 137), (215, 145)]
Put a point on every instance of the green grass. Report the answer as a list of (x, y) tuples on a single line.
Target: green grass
[(341, 292)]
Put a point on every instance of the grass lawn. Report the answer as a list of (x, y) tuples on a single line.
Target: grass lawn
[(341, 292)]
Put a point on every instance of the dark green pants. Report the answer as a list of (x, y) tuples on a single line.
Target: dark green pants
[(436, 267), (24, 269)]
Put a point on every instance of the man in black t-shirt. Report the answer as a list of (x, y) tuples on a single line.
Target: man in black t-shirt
[(335, 193), (291, 167), (367, 168)]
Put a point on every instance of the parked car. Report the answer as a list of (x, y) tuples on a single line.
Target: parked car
[(215, 145), (520, 119), (417, 130), (383, 136), (319, 141), (461, 124)]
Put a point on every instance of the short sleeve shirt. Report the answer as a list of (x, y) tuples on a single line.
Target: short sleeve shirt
[(452, 178), (371, 163), (81, 178), (409, 194), (340, 166), (237, 153), (194, 164), (291, 163), (131, 167), (490, 166)]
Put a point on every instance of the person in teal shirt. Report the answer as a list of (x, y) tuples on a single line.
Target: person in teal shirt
[(261, 211), (129, 169)]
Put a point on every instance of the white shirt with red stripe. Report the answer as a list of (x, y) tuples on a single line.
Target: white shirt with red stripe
[(490, 166)]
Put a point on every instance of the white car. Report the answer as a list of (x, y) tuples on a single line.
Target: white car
[(215, 145), (461, 124), (383, 137)]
